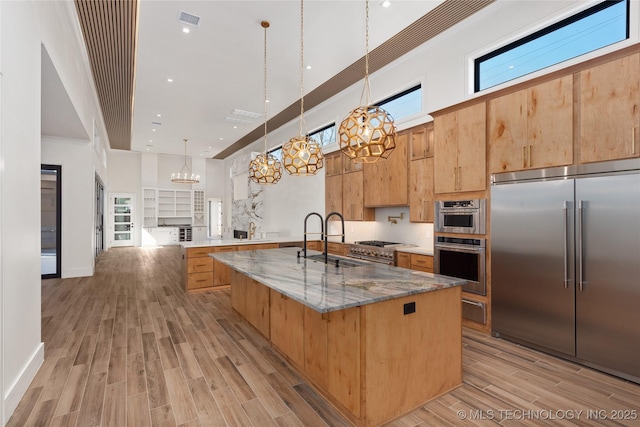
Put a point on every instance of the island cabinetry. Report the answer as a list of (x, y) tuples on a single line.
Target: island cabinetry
[(197, 268), (222, 272), (532, 128), (609, 113), (287, 327), (422, 141), (251, 299), (386, 181), (460, 150)]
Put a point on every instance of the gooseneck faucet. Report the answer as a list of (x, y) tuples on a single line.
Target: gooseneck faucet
[(304, 247), (326, 235)]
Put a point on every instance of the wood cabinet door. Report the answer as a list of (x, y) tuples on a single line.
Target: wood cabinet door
[(421, 142), (353, 198), (472, 148), (550, 124), (315, 346), (507, 118), (609, 113), (199, 265), (333, 194), (343, 358), (287, 331), (386, 181), (333, 163), (422, 262), (403, 259), (221, 274), (350, 166), (446, 153), (421, 208)]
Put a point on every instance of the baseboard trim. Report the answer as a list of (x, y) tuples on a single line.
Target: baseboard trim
[(19, 388)]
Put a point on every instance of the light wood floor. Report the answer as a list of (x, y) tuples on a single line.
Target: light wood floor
[(127, 347)]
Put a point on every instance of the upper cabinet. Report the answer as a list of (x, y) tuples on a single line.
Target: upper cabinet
[(609, 116), (460, 150), (421, 141), (344, 188), (532, 128), (333, 163), (386, 181), (421, 207)]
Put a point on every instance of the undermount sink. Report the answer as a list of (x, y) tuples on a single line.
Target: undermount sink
[(342, 262)]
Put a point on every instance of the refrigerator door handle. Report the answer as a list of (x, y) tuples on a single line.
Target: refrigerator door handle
[(580, 231), (565, 210)]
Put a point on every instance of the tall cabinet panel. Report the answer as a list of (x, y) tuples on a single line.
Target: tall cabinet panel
[(608, 274)]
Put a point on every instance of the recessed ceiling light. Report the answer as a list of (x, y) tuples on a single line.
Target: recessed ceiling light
[(159, 115), (267, 101), (148, 148), (186, 30), (151, 140), (235, 127), (209, 148), (170, 80), (220, 138), (386, 3), (308, 67), (153, 130)]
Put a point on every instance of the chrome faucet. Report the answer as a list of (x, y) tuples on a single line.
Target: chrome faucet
[(304, 246), (326, 235), (252, 230)]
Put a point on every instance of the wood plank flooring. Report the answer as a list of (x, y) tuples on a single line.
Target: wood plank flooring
[(127, 347)]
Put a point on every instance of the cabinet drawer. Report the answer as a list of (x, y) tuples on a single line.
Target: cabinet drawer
[(198, 252), (199, 265), (420, 268), (418, 260), (200, 280), (224, 249), (403, 260)]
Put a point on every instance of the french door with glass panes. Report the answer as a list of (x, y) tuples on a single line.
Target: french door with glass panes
[(121, 210)]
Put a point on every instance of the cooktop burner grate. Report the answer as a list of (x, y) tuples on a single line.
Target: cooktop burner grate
[(378, 243)]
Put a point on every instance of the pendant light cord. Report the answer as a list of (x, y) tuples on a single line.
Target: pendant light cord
[(366, 90), (302, 126), (265, 25)]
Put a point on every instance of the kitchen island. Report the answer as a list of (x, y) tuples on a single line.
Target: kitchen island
[(376, 340)]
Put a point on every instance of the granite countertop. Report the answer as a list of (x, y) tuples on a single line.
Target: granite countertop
[(417, 250), (230, 242), (324, 287)]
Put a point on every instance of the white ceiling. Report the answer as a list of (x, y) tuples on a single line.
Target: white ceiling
[(218, 66)]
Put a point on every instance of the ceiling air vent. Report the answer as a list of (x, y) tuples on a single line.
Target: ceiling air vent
[(245, 113), (188, 18)]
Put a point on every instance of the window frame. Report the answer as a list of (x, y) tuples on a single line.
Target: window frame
[(590, 11)]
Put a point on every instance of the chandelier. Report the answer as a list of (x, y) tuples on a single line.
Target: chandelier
[(185, 176), (302, 155), (368, 134), (265, 168)]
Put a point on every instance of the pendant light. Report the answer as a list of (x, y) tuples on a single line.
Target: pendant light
[(265, 168), (368, 134), (302, 155), (185, 176)]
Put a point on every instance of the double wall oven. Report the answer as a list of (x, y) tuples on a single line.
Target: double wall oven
[(461, 251)]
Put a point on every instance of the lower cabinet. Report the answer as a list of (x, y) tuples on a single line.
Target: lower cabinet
[(287, 326), (251, 299), (413, 261)]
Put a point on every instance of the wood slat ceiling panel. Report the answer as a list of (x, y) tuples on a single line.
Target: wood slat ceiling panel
[(109, 28), (430, 25)]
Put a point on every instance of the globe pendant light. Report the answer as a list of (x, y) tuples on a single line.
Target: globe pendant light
[(302, 155), (368, 134), (185, 176), (265, 168)]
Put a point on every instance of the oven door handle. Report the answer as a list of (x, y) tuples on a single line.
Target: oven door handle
[(460, 249)]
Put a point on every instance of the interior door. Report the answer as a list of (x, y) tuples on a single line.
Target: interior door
[(607, 303), (532, 263), (50, 221), (121, 209), (99, 218)]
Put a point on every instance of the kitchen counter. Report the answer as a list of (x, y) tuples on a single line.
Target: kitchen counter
[(417, 250), (230, 242), (324, 287), (376, 341)]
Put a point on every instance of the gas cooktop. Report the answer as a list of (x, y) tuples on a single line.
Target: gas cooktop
[(377, 243)]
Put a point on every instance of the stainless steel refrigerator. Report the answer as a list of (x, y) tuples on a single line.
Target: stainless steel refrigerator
[(565, 263)]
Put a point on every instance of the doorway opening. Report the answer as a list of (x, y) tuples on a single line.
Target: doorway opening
[(50, 221), (99, 218)]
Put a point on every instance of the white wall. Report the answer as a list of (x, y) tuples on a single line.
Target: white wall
[(24, 28), (443, 67), (78, 213)]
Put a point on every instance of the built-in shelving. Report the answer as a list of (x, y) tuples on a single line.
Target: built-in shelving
[(198, 208), (150, 206), (174, 203)]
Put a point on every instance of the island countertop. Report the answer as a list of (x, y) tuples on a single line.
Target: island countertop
[(324, 287)]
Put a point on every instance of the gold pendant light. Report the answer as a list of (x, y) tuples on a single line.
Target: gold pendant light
[(265, 168), (368, 134), (302, 155), (185, 176)]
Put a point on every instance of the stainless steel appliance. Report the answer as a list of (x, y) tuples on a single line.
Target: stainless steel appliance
[(375, 250), (566, 263), (464, 258), (461, 216)]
